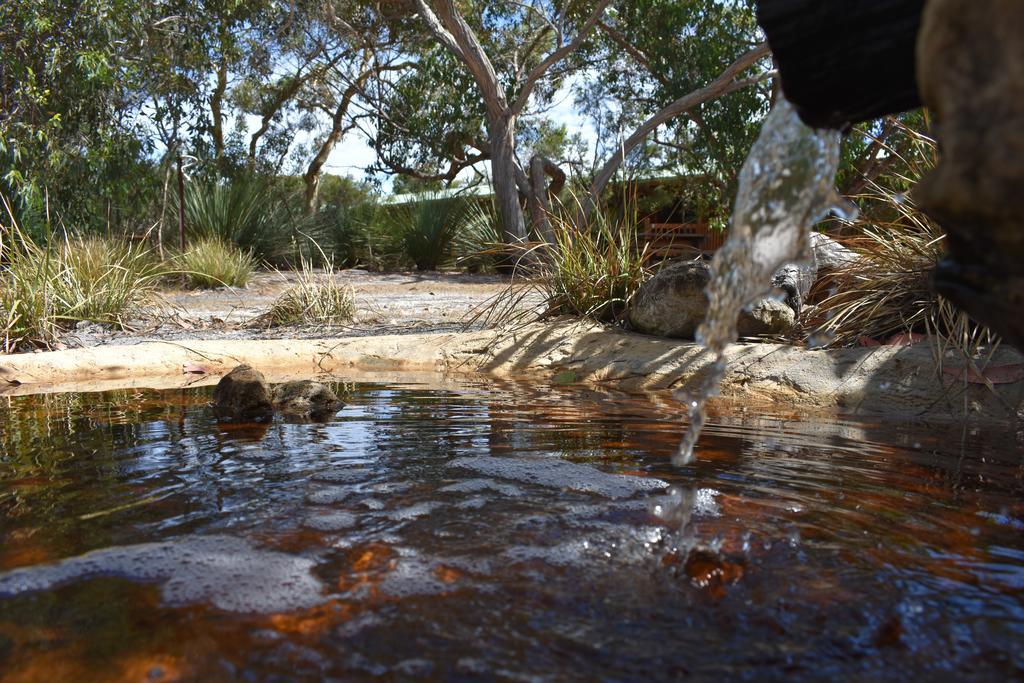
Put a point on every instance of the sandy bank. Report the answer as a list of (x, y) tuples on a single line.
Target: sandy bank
[(887, 380)]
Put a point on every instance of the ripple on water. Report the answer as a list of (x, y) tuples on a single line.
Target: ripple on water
[(560, 474)]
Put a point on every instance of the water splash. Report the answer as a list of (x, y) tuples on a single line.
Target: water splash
[(785, 186)]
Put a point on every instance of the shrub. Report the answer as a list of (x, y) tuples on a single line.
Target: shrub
[(210, 263), (592, 269), (315, 298), (246, 212), (46, 289), (427, 228), (478, 242)]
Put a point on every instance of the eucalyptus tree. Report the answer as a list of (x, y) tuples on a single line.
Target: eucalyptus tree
[(501, 59), (684, 82)]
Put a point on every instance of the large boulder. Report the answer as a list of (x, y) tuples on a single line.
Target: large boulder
[(673, 304), (305, 399), (243, 393)]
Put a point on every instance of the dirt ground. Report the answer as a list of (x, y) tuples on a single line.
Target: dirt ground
[(386, 303)]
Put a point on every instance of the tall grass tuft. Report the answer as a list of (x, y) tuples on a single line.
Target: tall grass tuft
[(592, 269), (211, 262), (315, 299), (478, 242), (44, 290)]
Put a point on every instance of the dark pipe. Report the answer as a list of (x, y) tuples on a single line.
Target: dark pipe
[(844, 61)]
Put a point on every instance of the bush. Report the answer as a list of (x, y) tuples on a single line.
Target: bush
[(246, 212), (427, 228), (210, 263), (316, 298), (45, 290), (478, 242), (593, 269)]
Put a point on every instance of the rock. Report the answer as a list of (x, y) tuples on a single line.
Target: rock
[(829, 254), (795, 280), (243, 393), (672, 303), (305, 399), (970, 69), (766, 318)]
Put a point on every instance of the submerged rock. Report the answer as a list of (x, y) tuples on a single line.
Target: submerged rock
[(243, 393), (305, 399)]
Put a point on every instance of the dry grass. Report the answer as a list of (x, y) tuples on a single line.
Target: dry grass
[(315, 299), (44, 290), (887, 290)]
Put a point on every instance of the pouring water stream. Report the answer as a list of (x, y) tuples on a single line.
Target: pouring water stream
[(785, 187)]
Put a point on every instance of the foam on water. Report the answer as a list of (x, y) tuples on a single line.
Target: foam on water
[(224, 571), (785, 186), (561, 474)]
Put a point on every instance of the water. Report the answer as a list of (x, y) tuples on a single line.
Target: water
[(785, 187), (501, 532)]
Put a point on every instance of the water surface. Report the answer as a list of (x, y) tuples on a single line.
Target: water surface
[(501, 532)]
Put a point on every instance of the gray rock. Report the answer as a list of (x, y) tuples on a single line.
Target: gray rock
[(766, 318), (672, 303), (304, 399), (243, 393), (829, 254), (795, 280)]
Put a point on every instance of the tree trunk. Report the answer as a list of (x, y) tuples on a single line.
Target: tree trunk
[(217, 101), (503, 176), (538, 199)]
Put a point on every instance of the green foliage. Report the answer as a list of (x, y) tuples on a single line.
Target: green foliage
[(427, 228), (683, 45), (315, 299), (246, 212), (210, 262), (44, 290), (345, 225)]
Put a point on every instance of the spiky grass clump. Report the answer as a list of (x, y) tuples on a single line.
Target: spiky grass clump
[(45, 290), (245, 212), (886, 291), (210, 263), (592, 268), (478, 243), (427, 228), (315, 299)]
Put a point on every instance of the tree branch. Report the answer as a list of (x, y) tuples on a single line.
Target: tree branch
[(723, 85), (537, 72)]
